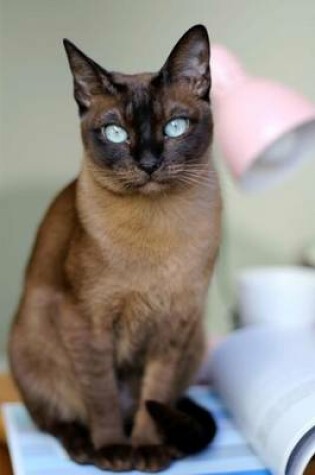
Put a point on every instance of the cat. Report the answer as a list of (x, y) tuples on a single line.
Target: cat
[(109, 332)]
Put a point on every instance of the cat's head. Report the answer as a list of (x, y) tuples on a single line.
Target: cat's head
[(147, 133)]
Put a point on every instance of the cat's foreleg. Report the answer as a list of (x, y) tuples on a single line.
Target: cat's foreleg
[(150, 454), (169, 370), (91, 353)]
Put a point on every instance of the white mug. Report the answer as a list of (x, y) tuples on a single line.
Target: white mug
[(281, 296)]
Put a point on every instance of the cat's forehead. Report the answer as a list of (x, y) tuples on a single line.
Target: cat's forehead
[(136, 94), (142, 87), (138, 102)]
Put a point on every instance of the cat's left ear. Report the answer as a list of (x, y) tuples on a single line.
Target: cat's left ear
[(89, 78), (189, 62)]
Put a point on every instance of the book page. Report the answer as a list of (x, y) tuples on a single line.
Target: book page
[(266, 377)]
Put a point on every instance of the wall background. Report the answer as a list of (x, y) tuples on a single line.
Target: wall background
[(40, 145)]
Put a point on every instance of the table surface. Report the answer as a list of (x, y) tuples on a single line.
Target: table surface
[(9, 393)]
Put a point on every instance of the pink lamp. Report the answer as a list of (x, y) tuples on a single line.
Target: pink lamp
[(265, 129)]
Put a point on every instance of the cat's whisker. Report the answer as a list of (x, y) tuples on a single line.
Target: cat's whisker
[(200, 174), (192, 183), (121, 176), (199, 180), (200, 177), (202, 182), (193, 174), (183, 181), (206, 164), (195, 167), (193, 170), (188, 181), (191, 165), (98, 171)]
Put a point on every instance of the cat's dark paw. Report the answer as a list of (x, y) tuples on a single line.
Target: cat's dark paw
[(152, 458), (115, 457), (75, 439), (81, 455)]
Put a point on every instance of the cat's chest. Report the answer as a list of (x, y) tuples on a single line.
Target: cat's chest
[(142, 282), (145, 267), (143, 291)]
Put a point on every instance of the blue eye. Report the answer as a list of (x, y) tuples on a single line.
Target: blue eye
[(115, 133), (176, 127)]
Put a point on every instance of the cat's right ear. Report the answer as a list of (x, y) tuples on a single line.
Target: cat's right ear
[(89, 78)]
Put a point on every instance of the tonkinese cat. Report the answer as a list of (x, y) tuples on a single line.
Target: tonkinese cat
[(109, 331)]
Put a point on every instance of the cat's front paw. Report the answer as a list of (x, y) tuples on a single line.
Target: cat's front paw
[(115, 457), (76, 440), (152, 458)]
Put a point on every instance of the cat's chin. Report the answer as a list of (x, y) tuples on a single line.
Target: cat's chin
[(152, 187)]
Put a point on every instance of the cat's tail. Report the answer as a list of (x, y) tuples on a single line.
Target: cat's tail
[(188, 428)]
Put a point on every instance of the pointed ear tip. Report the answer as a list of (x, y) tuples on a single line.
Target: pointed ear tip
[(199, 28), (67, 44), (204, 32), (199, 31)]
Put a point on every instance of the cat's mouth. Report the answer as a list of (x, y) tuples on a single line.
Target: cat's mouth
[(151, 184), (159, 181)]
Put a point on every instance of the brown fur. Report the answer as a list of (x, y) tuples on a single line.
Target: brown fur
[(114, 298)]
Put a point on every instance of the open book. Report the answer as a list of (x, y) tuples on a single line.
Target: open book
[(265, 379)]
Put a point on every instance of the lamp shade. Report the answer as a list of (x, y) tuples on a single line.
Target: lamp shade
[(264, 129)]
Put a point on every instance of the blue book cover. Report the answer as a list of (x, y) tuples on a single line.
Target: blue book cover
[(36, 453)]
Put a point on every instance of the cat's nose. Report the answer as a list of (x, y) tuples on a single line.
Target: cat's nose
[(149, 164)]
